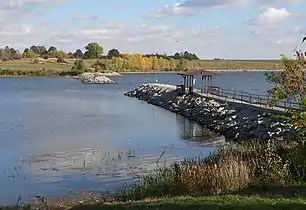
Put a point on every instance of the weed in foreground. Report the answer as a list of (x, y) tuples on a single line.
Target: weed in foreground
[(228, 169)]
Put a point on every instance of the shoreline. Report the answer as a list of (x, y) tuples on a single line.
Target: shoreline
[(213, 70), (147, 72)]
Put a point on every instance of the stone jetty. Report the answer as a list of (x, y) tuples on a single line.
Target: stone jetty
[(235, 121)]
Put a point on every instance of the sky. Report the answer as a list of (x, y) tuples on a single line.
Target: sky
[(229, 29)]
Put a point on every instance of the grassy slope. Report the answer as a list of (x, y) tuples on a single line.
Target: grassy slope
[(210, 202), (27, 64)]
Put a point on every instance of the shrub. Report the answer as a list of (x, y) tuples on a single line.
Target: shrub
[(99, 65), (46, 57), (61, 60), (36, 61), (5, 59), (78, 65)]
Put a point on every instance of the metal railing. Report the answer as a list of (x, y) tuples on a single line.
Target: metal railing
[(263, 101)]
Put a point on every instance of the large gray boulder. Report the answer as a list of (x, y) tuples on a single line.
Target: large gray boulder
[(94, 78)]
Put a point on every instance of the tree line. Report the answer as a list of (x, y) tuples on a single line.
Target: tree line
[(92, 50)]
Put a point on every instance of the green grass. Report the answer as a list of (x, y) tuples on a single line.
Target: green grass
[(29, 65), (209, 202)]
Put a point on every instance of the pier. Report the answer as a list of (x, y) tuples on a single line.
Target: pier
[(233, 114), (209, 90)]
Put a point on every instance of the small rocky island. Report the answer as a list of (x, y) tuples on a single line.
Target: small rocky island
[(94, 78)]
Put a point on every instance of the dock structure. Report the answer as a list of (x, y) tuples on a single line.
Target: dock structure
[(189, 80), (209, 90)]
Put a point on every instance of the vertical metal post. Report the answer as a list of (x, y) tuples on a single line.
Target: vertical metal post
[(259, 101)]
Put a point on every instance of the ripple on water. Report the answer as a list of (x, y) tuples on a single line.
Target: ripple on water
[(62, 123)]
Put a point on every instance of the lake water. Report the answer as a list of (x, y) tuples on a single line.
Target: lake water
[(58, 135)]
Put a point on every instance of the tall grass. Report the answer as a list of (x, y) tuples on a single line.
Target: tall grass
[(228, 169)]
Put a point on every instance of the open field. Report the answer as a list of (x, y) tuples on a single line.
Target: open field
[(19, 66), (238, 64), (26, 64)]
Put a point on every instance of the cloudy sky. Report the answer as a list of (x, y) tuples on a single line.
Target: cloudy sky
[(241, 29)]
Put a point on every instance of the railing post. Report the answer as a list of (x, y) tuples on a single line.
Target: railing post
[(259, 101)]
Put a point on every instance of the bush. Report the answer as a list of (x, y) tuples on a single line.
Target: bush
[(46, 57), (78, 65), (5, 59), (36, 61), (61, 60), (99, 65)]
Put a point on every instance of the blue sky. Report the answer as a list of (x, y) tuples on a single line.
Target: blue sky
[(240, 29)]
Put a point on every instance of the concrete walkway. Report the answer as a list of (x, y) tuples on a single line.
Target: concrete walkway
[(221, 98)]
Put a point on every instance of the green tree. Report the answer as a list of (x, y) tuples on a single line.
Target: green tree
[(34, 49), (42, 51), (177, 56), (39, 50), (113, 53), (27, 53), (52, 51), (70, 55), (87, 55), (94, 50), (290, 85), (78, 54)]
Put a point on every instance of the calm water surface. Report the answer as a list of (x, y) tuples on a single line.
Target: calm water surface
[(58, 135)]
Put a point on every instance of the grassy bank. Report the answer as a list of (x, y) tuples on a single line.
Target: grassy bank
[(26, 67), (228, 202), (227, 170)]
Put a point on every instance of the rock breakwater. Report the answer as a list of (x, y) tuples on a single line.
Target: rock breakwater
[(235, 121)]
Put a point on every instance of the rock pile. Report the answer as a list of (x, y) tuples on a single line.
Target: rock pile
[(110, 74), (233, 120), (94, 78)]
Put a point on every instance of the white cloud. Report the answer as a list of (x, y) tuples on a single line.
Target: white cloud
[(193, 7), (145, 38), (240, 41), (271, 17), (12, 11), (127, 38)]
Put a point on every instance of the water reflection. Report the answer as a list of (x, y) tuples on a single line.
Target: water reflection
[(193, 131)]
